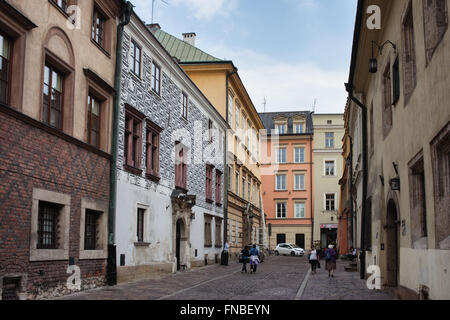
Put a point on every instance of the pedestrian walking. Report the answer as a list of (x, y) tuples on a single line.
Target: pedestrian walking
[(245, 254), (313, 258), (254, 259), (330, 260), (225, 254)]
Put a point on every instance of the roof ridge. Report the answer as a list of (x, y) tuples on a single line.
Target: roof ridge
[(191, 52)]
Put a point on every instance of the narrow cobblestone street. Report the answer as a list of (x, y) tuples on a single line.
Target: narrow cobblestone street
[(278, 278)]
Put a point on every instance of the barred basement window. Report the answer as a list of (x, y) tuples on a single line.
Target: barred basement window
[(48, 225), (10, 288), (90, 233)]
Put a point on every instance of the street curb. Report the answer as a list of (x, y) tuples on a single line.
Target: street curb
[(303, 286)]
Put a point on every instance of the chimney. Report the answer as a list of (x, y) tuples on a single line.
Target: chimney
[(154, 27), (189, 38)]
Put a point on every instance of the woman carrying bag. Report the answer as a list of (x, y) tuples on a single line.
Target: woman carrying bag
[(313, 257)]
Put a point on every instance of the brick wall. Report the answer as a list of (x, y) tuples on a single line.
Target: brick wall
[(31, 156)]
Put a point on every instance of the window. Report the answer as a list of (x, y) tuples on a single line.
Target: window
[(330, 202), (238, 117), (185, 106), (152, 149), (254, 193), (209, 183), (230, 178), (330, 168), (329, 122), (98, 28), (281, 210), (136, 57), (93, 120), (299, 210), (140, 225), (249, 190), (281, 128), (181, 166), (281, 155), (299, 182), (90, 233), (5, 47), (299, 155), (231, 230), (218, 242), (248, 134), (218, 187), (133, 138), (329, 140), (409, 54), (299, 128), (368, 225), (208, 240), (230, 110), (372, 129), (156, 78), (281, 182), (396, 81), (210, 130), (48, 225), (243, 186), (53, 97), (237, 182), (281, 238), (387, 101), (435, 24), (61, 3), (440, 155), (418, 203)]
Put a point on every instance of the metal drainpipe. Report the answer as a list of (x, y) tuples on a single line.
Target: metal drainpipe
[(311, 191), (349, 88), (351, 189), (226, 178), (111, 273)]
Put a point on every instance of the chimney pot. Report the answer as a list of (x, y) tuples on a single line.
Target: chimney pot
[(189, 38)]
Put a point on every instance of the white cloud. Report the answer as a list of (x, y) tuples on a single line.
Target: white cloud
[(288, 86)]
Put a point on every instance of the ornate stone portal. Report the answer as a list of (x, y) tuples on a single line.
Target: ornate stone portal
[(181, 225)]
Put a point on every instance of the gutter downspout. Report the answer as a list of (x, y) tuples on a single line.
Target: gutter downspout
[(226, 178), (311, 191), (111, 268), (349, 89), (350, 186)]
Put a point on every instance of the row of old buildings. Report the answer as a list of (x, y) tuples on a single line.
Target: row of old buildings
[(395, 187), (124, 151)]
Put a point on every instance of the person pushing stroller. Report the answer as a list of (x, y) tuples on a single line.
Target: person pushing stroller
[(254, 259)]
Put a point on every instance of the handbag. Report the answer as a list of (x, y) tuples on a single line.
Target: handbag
[(318, 264)]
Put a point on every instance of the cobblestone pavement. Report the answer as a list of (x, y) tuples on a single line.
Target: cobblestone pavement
[(344, 286), (278, 278)]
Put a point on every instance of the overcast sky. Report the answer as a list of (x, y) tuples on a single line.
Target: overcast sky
[(289, 52)]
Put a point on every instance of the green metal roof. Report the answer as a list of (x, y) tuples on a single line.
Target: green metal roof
[(181, 50)]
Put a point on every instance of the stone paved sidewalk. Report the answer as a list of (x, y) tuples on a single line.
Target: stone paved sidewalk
[(344, 286)]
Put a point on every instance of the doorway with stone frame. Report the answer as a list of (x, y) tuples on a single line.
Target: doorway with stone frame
[(392, 241)]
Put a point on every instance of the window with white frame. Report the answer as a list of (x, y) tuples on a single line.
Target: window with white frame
[(237, 118), (281, 182), (281, 155), (330, 167), (281, 210), (243, 186), (230, 110), (299, 155), (299, 128), (281, 128), (299, 181), (329, 139), (299, 210), (330, 202)]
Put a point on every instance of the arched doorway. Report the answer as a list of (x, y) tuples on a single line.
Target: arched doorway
[(392, 244), (180, 242)]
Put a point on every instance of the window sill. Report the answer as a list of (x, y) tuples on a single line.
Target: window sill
[(142, 244), (209, 201), (93, 254), (65, 14), (134, 75), (208, 245), (218, 246), (132, 170), (101, 48), (156, 94), (181, 189), (152, 177), (218, 204)]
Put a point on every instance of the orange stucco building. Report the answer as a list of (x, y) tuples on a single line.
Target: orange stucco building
[(286, 175)]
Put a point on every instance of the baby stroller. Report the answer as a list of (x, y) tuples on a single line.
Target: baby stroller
[(254, 261)]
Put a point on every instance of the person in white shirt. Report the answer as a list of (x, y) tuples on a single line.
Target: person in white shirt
[(313, 259)]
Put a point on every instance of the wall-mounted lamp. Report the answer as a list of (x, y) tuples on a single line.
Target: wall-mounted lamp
[(373, 63)]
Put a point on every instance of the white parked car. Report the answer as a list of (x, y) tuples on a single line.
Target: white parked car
[(289, 249)]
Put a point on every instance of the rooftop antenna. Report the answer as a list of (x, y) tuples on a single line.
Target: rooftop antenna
[(265, 103), (314, 105), (153, 7)]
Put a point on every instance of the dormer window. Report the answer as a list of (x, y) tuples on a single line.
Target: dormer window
[(281, 128), (299, 128)]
